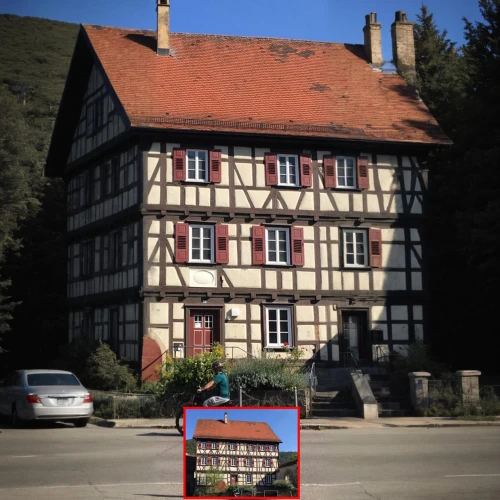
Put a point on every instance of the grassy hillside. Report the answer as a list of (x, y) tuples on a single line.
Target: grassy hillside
[(34, 59)]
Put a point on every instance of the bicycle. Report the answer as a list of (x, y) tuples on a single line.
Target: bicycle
[(196, 400)]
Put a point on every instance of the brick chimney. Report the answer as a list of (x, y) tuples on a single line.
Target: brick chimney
[(373, 40), (225, 418), (163, 28), (403, 47)]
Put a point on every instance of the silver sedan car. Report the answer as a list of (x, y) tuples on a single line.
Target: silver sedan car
[(45, 395)]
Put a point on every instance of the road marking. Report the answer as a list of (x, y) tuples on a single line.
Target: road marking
[(23, 456), (326, 485), (93, 485), (474, 475)]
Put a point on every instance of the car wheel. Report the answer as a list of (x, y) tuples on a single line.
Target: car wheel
[(15, 420), (81, 422)]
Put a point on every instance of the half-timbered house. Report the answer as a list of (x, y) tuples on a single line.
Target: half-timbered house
[(249, 191), (242, 452)]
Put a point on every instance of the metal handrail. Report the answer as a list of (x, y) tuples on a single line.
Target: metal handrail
[(207, 347)]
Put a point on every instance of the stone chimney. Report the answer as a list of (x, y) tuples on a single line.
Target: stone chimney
[(225, 418), (163, 28), (403, 47), (373, 40)]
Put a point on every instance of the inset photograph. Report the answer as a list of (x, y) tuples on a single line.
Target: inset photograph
[(242, 452)]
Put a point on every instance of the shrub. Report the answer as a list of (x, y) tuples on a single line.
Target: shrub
[(265, 374), (416, 358), (187, 374), (106, 372)]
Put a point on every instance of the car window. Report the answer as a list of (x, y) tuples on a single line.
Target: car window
[(52, 379), (13, 379)]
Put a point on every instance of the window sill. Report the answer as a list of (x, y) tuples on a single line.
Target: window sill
[(348, 189), (347, 268)]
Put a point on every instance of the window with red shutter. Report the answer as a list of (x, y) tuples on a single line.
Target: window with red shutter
[(181, 242), (329, 171), (199, 460), (297, 246), (375, 237), (267, 447), (306, 171), (179, 159), (362, 172), (258, 245), (215, 166), (271, 169), (263, 462), (221, 244)]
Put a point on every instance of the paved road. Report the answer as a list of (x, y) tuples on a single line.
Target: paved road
[(64, 463)]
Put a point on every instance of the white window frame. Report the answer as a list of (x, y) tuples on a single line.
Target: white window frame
[(262, 447), (290, 326), (203, 460), (288, 170), (267, 462), (202, 227), (250, 459), (233, 461), (248, 478), (271, 447), (268, 479), (203, 445), (364, 233), (277, 231), (232, 446), (214, 461), (354, 175), (198, 177)]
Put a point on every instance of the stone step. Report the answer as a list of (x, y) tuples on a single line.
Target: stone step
[(377, 384), (377, 377), (322, 405), (328, 395), (345, 412), (384, 392), (389, 405)]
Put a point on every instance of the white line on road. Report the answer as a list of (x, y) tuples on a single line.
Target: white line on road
[(474, 475), (326, 485), (92, 485), (23, 456)]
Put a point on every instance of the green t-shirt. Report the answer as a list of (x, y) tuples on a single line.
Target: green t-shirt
[(221, 385)]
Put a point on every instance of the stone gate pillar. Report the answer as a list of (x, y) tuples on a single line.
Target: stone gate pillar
[(419, 390), (468, 383)]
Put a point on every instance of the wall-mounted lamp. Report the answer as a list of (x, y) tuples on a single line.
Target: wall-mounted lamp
[(177, 347), (233, 313)]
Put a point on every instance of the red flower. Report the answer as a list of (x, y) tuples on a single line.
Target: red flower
[(285, 344)]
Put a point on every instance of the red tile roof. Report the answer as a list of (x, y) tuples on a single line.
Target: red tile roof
[(263, 85), (235, 430)]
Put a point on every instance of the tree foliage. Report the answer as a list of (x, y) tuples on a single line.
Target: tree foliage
[(463, 92)]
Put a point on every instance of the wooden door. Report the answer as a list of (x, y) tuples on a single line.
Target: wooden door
[(234, 478), (356, 344), (203, 331)]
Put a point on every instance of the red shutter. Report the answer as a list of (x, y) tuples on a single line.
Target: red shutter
[(263, 462), (258, 247), (199, 444), (267, 447), (181, 242), (297, 246), (199, 460), (362, 171), (217, 460), (237, 462), (244, 462), (375, 247), (221, 244), (216, 446), (248, 447), (271, 169), (306, 171), (329, 168), (215, 166), (179, 165)]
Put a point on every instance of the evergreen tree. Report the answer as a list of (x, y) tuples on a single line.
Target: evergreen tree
[(441, 72), (16, 201)]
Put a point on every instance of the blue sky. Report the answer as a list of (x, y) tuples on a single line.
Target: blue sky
[(282, 422), (323, 20)]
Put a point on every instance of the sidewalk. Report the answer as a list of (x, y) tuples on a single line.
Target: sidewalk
[(316, 423)]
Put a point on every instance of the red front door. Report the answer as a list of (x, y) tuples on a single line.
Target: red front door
[(202, 331)]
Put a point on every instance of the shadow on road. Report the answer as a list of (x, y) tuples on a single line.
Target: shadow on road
[(156, 434), (37, 425)]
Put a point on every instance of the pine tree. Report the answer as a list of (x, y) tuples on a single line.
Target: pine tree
[(441, 72)]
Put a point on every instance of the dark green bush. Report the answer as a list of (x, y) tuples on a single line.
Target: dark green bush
[(104, 371)]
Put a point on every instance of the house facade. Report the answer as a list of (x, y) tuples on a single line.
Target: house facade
[(225, 204), (242, 453)]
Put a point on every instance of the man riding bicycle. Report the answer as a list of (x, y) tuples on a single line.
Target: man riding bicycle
[(221, 384)]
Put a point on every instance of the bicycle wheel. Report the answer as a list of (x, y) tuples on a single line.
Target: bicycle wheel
[(179, 421)]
